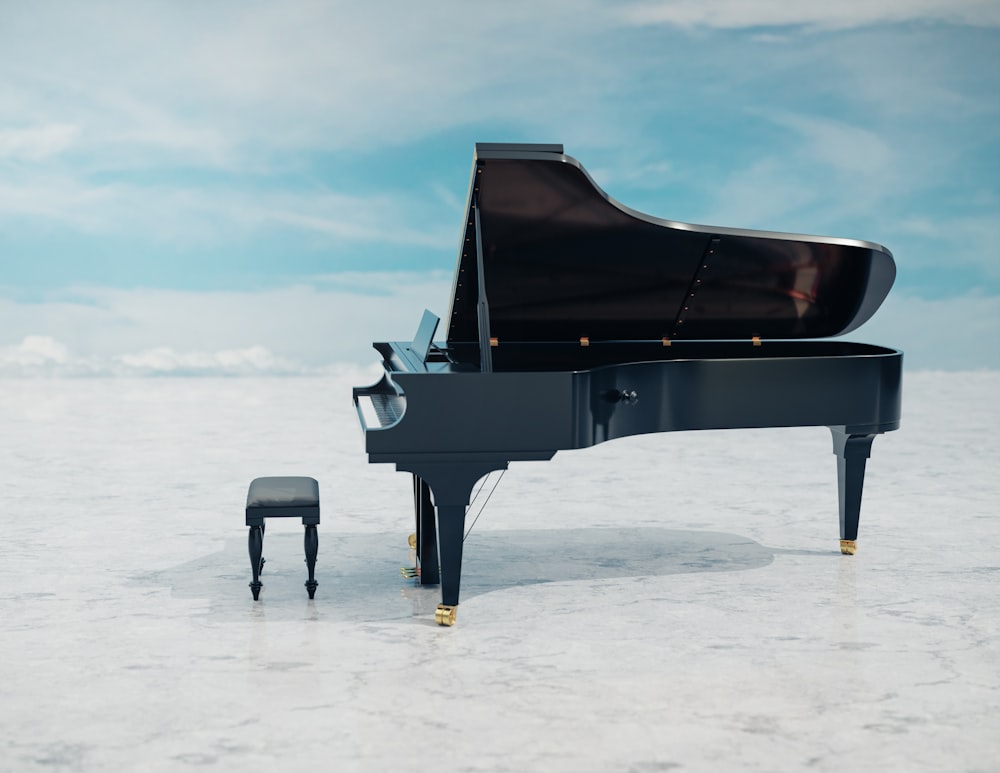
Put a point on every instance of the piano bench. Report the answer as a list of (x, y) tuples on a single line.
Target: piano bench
[(287, 497)]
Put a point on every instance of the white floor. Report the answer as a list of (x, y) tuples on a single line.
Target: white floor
[(671, 602)]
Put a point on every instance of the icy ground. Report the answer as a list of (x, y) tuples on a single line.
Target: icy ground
[(670, 602)]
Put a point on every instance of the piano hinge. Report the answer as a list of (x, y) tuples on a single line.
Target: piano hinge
[(494, 342), (584, 341), (696, 282), (756, 340), (666, 341)]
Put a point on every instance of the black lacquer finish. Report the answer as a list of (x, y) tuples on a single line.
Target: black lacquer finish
[(607, 323), (562, 260)]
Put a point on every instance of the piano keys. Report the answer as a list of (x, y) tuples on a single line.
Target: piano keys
[(575, 320)]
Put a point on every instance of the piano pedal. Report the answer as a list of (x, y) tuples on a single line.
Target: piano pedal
[(409, 572), (445, 614), (848, 547), (412, 541)]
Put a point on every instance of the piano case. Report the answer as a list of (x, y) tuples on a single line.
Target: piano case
[(575, 320)]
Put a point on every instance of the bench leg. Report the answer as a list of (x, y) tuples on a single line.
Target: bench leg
[(312, 549), (256, 545)]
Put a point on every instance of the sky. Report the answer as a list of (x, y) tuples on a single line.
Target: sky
[(263, 188)]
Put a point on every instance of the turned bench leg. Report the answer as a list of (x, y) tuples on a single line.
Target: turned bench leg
[(256, 544), (312, 549)]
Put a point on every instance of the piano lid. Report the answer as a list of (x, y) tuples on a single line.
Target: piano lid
[(562, 260)]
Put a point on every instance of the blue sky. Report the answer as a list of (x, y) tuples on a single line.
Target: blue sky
[(250, 187)]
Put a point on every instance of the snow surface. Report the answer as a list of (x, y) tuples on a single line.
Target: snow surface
[(673, 601)]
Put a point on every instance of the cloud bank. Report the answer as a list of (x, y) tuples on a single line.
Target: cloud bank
[(324, 328), (300, 329), (736, 14)]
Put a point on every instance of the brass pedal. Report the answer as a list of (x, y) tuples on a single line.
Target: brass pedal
[(409, 572), (445, 614)]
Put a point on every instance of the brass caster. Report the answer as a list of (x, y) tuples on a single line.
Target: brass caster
[(848, 547), (445, 615), (412, 541), (409, 572)]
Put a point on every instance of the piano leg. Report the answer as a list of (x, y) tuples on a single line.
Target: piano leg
[(427, 551), (450, 484), (852, 453), (451, 532)]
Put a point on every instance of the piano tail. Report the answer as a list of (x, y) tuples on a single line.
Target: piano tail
[(852, 452), (444, 488)]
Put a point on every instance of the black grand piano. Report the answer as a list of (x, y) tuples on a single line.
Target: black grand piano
[(575, 320)]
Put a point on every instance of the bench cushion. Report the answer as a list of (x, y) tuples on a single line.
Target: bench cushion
[(283, 492)]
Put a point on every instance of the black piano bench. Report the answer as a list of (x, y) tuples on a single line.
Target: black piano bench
[(282, 498)]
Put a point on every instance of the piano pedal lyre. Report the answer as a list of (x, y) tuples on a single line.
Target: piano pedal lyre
[(445, 614), (409, 572), (848, 547), (412, 541)]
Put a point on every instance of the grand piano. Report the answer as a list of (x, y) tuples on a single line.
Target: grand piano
[(575, 320)]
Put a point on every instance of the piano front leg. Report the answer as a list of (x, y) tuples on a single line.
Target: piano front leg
[(451, 533), (852, 452), (450, 484)]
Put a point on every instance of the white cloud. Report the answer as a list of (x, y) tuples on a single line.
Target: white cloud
[(204, 215), (34, 352), (314, 329), (953, 244), (37, 142), (162, 360), (731, 14), (296, 329), (957, 333), (215, 84), (849, 149)]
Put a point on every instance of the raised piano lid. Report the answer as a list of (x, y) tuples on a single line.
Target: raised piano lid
[(564, 261)]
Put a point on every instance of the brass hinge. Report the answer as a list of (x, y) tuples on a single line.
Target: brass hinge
[(666, 341), (494, 342), (584, 341), (756, 340)]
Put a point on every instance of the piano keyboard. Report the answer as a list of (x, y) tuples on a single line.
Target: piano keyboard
[(382, 410)]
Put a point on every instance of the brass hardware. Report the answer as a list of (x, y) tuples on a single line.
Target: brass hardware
[(445, 614), (409, 572), (412, 540), (494, 342), (848, 547), (666, 341), (756, 340), (584, 341)]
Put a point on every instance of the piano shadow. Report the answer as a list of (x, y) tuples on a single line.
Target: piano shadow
[(359, 577)]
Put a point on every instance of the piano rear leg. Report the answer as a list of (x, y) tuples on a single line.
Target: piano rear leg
[(427, 547), (852, 453), (413, 540), (424, 540)]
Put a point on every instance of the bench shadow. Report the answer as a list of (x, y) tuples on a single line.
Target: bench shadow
[(359, 578)]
